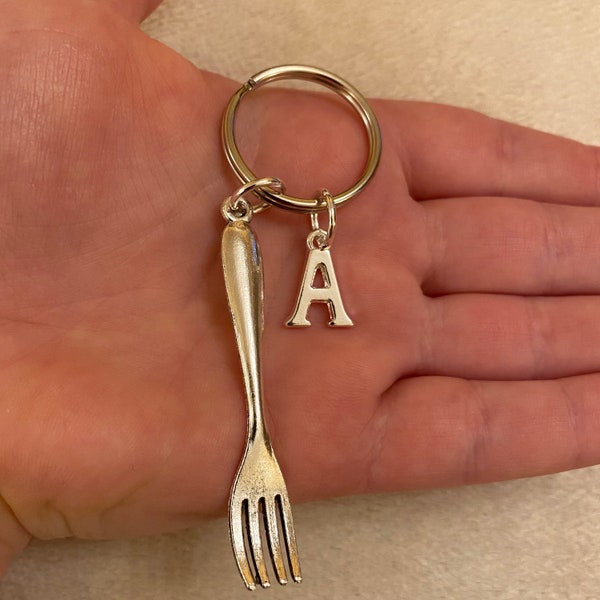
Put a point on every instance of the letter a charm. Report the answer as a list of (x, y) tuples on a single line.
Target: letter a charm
[(319, 259)]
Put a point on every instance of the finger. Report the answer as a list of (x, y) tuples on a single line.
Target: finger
[(441, 431), (13, 537), (486, 336), (134, 10), (449, 152), (511, 246), (64, 13)]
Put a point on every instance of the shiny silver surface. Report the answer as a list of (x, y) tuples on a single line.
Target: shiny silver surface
[(334, 83), (259, 499)]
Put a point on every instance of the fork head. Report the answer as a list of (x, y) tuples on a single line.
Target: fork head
[(259, 510)]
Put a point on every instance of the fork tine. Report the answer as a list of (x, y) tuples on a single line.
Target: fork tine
[(256, 544), (273, 538), (237, 520), (290, 536)]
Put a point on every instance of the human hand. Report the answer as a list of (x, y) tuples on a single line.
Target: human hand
[(468, 266)]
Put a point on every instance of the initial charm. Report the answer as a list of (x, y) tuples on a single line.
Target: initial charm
[(319, 259)]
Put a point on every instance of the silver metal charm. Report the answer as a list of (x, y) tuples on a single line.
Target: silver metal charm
[(319, 259), (259, 507), (259, 499)]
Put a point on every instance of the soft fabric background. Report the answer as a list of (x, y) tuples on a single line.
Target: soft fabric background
[(531, 61)]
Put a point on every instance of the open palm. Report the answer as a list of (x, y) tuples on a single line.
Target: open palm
[(469, 266)]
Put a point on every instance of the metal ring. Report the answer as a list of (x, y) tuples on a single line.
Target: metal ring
[(241, 211), (314, 218), (236, 203), (317, 240), (333, 82)]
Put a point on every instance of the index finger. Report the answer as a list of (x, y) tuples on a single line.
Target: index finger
[(450, 152)]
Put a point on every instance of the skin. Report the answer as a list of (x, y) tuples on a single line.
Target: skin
[(469, 266)]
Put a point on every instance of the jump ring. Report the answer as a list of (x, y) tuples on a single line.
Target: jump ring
[(333, 82), (236, 207), (314, 217)]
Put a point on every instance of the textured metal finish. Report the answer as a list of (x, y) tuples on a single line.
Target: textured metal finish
[(322, 77), (259, 499)]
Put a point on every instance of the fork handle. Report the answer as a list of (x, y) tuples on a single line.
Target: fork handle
[(242, 268)]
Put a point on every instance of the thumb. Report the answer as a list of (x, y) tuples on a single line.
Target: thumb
[(13, 536), (134, 10)]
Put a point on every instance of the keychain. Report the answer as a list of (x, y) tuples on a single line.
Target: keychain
[(259, 505)]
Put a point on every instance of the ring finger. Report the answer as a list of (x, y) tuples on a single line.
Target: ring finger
[(511, 246), (495, 337)]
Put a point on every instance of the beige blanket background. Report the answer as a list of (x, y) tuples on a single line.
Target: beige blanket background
[(532, 61)]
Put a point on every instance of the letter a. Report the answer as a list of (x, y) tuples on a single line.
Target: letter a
[(329, 293)]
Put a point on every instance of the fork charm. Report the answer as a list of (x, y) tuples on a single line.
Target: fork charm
[(259, 499)]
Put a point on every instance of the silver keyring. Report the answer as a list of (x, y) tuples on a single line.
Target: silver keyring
[(333, 82)]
